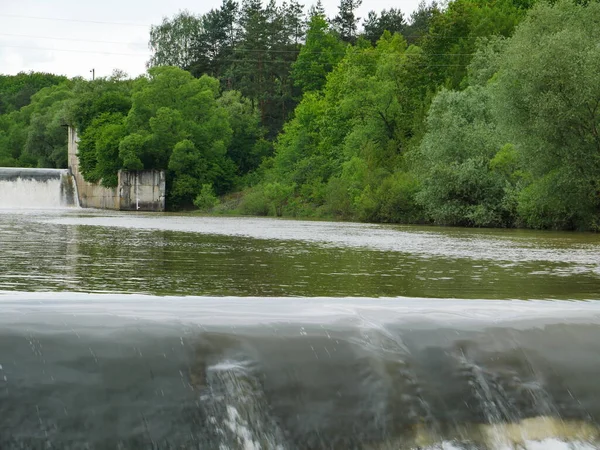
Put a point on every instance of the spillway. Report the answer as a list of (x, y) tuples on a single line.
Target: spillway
[(36, 188), (143, 372)]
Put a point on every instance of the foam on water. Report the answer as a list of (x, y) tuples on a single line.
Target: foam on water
[(546, 444), (365, 313), (538, 433)]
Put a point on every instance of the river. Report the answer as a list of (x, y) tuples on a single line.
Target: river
[(135, 331)]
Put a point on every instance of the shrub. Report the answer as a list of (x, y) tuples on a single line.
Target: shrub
[(206, 199)]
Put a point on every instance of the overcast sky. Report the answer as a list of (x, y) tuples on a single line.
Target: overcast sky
[(70, 37)]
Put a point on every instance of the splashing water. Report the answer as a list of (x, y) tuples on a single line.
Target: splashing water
[(45, 189)]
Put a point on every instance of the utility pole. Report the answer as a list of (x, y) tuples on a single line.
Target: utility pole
[(93, 74)]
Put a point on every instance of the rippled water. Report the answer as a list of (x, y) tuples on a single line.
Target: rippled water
[(138, 331), (184, 255)]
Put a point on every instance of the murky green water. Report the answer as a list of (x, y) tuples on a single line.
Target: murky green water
[(175, 255), (136, 331)]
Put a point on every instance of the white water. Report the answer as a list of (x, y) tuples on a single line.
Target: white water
[(546, 444), (31, 193)]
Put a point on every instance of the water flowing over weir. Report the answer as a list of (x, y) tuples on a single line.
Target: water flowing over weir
[(36, 188), (138, 372)]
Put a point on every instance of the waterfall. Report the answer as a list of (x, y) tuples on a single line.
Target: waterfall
[(36, 188)]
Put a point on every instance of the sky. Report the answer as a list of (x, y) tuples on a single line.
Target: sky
[(72, 37)]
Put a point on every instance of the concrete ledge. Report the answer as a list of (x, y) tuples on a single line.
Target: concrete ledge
[(14, 173)]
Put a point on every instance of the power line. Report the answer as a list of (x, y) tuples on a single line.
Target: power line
[(223, 59), (73, 51), (424, 64), (70, 39), (128, 24), (60, 19), (237, 50)]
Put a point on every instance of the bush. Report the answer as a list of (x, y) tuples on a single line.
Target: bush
[(396, 197), (254, 203), (338, 198), (206, 199), (558, 201), (277, 195)]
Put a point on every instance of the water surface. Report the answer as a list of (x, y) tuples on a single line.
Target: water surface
[(186, 255), (140, 331)]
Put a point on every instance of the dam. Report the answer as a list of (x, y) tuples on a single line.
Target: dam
[(36, 188), (27, 188)]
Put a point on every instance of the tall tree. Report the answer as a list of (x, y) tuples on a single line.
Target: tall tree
[(453, 35), (317, 10), (174, 41), (549, 99), (216, 42), (391, 20), (320, 54), (345, 22), (419, 21)]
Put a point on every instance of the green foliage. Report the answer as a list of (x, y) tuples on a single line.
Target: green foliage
[(254, 202), (103, 95), (35, 135), (558, 201), (548, 95), (476, 113), (375, 25), (459, 155), (319, 55), (171, 121), (346, 21), (16, 91), (453, 35), (248, 145), (344, 142), (206, 199), (173, 42), (277, 195), (130, 149)]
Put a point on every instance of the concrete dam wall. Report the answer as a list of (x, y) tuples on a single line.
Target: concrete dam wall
[(142, 190)]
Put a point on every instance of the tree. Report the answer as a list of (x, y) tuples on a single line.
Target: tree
[(419, 22), (175, 123), (248, 146), (174, 41), (131, 148), (45, 118), (548, 96), (98, 150), (455, 32), (319, 55), (214, 47), (206, 199), (374, 25), (352, 136), (93, 98), (459, 186), (16, 90), (345, 21)]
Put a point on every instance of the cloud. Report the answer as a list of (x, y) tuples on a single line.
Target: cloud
[(24, 56)]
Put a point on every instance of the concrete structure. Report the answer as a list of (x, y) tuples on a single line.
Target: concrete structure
[(142, 190)]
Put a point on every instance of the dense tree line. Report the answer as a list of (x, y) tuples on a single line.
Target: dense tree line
[(32, 115), (477, 113), (491, 118)]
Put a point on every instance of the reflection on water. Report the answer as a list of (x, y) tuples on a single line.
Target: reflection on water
[(269, 334), (207, 256)]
